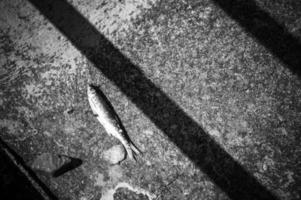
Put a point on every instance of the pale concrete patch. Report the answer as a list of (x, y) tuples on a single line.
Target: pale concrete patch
[(109, 194), (115, 173), (99, 180)]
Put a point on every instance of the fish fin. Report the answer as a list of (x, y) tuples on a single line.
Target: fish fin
[(94, 112), (93, 109)]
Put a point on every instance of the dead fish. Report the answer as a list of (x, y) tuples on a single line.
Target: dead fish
[(110, 121)]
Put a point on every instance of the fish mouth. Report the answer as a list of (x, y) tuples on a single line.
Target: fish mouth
[(91, 86), (91, 89)]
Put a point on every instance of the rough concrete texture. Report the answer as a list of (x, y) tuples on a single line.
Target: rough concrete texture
[(241, 94)]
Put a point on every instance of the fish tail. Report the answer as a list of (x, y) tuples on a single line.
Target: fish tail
[(135, 149), (132, 151)]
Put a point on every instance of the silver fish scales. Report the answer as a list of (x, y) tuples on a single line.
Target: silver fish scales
[(108, 118)]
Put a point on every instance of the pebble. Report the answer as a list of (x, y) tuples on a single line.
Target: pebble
[(49, 163), (214, 132), (148, 132), (115, 154)]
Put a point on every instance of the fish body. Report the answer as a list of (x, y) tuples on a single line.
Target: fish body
[(108, 118)]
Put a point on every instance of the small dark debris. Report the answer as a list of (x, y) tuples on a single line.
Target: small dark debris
[(70, 111)]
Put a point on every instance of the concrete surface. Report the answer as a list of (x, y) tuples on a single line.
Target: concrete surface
[(221, 74)]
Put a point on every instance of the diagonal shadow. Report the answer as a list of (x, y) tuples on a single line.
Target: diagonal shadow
[(197, 145), (266, 30), (14, 184)]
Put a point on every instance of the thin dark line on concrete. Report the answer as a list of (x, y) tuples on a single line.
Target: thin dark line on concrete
[(167, 186), (197, 145), (273, 36)]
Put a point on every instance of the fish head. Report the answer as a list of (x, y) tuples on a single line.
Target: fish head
[(90, 89)]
